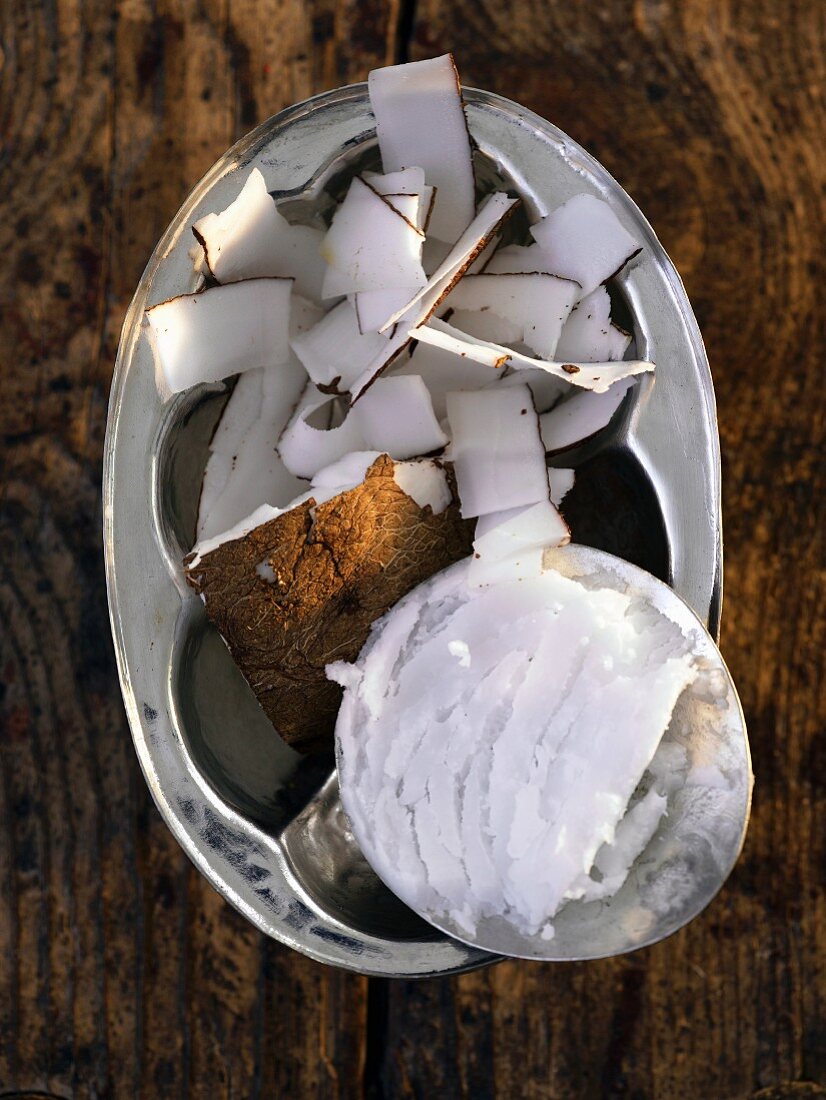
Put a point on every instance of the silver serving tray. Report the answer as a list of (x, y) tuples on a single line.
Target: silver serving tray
[(262, 823)]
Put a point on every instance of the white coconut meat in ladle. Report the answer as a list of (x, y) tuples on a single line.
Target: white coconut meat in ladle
[(370, 245), (442, 372), (496, 450), (589, 335), (420, 120), (589, 376), (491, 739), (537, 304), (308, 443), (222, 331), (252, 239), (335, 351), (584, 240)]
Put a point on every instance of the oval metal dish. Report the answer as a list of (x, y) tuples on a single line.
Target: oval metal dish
[(264, 825)]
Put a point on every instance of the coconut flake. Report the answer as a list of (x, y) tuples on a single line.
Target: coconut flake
[(335, 351), (349, 470), (516, 259), (537, 305), (561, 482), (590, 376), (306, 449), (496, 450), (420, 120), (251, 239), (396, 416), (370, 245), (501, 534), (486, 325), (581, 416), (588, 335), (584, 240), (488, 792), (546, 388), (222, 331)]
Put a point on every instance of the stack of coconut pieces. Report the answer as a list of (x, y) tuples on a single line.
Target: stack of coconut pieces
[(401, 377)]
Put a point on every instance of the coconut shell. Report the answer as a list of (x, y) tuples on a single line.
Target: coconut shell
[(336, 568)]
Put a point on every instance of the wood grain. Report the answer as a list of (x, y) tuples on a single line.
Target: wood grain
[(121, 972)]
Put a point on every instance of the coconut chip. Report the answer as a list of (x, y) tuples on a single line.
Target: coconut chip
[(584, 240), (222, 331), (420, 120), (252, 239), (579, 417), (396, 416), (496, 450), (589, 336), (303, 588), (336, 350)]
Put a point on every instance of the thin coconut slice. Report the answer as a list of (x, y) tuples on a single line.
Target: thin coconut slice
[(370, 245), (396, 416), (581, 416), (589, 376), (251, 239), (538, 304), (501, 534), (373, 307), (335, 351), (515, 259), (420, 120), (222, 331), (490, 739), (584, 240), (442, 372), (492, 214), (410, 181), (496, 450), (349, 470), (589, 336), (305, 585), (305, 446)]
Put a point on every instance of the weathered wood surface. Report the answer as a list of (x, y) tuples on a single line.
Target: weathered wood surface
[(121, 972)]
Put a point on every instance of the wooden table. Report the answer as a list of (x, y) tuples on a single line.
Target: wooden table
[(121, 972)]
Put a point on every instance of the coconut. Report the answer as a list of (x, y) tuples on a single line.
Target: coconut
[(537, 304), (561, 481), (396, 416), (547, 389), (303, 588), (442, 372), (420, 120), (490, 739), (221, 331), (486, 325), (584, 240), (371, 245), (589, 336), (336, 350), (496, 450), (579, 417), (515, 259), (590, 376), (251, 239)]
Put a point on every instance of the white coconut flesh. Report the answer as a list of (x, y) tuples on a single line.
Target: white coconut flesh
[(509, 545), (420, 120), (220, 332), (488, 791), (584, 240), (335, 351), (561, 481), (589, 335), (442, 372), (484, 324), (396, 416), (581, 416), (538, 305), (496, 450), (515, 259), (589, 376), (371, 245), (252, 239)]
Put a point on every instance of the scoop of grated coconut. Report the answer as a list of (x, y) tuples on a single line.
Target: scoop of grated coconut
[(490, 742)]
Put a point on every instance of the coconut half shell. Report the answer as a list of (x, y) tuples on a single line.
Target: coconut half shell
[(335, 568)]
